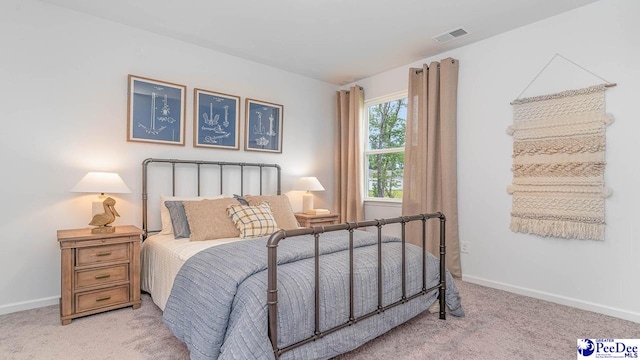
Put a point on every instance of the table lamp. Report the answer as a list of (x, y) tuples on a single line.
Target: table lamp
[(103, 207), (308, 184)]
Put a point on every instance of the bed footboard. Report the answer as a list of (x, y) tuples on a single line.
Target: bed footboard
[(272, 286)]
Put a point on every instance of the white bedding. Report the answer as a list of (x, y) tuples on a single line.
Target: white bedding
[(162, 257)]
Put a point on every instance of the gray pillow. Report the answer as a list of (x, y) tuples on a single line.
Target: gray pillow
[(178, 219)]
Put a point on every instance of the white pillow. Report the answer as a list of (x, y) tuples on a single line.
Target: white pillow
[(165, 216)]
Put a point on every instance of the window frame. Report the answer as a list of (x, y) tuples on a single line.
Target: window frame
[(366, 152)]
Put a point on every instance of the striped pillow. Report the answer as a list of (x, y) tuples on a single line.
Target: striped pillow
[(253, 221)]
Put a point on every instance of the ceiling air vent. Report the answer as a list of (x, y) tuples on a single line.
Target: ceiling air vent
[(450, 35)]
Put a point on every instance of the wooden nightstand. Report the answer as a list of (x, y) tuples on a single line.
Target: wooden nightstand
[(100, 272), (306, 220)]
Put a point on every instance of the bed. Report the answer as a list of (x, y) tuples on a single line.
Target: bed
[(309, 293)]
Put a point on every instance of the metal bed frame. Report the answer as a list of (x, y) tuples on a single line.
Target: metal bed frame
[(199, 164), (316, 231), (272, 273)]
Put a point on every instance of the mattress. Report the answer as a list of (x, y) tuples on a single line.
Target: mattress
[(162, 256)]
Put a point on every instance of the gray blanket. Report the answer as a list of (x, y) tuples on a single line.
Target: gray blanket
[(218, 302)]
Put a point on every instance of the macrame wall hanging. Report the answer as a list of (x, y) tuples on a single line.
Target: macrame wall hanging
[(559, 161)]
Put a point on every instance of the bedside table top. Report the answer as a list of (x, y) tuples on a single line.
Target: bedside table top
[(319, 216), (85, 234)]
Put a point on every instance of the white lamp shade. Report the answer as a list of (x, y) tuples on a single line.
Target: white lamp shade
[(101, 182), (308, 183)]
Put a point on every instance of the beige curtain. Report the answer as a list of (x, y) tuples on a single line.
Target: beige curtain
[(348, 154), (430, 175)]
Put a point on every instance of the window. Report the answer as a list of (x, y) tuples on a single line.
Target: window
[(384, 148)]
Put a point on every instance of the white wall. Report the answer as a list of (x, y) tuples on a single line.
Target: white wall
[(594, 275), (64, 98)]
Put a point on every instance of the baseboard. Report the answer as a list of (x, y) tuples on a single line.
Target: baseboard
[(28, 305), (580, 304)]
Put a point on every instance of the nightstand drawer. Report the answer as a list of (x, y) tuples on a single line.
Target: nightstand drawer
[(93, 277), (102, 254), (97, 299)]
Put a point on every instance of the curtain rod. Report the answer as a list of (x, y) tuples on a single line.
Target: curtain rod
[(358, 87), (418, 71)]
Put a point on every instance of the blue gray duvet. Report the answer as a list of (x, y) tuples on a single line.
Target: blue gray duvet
[(218, 302)]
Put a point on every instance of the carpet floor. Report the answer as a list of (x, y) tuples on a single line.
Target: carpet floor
[(498, 325)]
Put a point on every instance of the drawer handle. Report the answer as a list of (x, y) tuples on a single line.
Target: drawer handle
[(103, 253), (102, 276), (103, 298)]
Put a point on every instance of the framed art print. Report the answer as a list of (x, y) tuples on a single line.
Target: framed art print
[(263, 130), (156, 111), (216, 120)]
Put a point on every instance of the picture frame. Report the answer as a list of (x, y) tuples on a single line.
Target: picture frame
[(155, 111), (263, 126), (216, 120)]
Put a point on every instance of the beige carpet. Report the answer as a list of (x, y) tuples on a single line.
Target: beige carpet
[(499, 325)]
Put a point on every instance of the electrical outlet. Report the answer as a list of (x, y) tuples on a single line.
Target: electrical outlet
[(464, 247)]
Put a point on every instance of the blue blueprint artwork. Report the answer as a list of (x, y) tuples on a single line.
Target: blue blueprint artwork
[(217, 121), (157, 112), (264, 127)]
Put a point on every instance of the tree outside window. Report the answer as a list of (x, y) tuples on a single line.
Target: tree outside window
[(384, 154)]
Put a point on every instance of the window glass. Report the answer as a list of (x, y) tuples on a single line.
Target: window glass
[(385, 175), (387, 124), (384, 150)]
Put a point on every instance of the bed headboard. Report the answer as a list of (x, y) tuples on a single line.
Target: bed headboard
[(200, 166)]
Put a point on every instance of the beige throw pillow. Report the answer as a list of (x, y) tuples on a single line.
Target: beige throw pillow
[(208, 219), (281, 208), (165, 216)]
